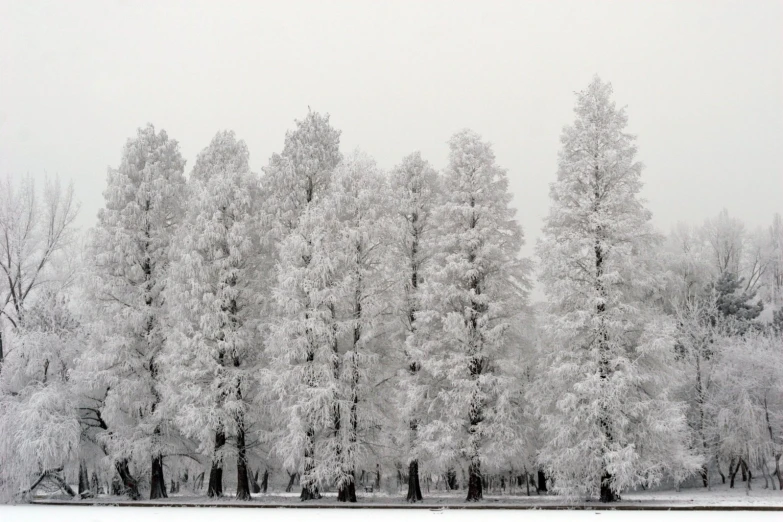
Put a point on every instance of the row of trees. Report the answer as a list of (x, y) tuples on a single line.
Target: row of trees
[(327, 318)]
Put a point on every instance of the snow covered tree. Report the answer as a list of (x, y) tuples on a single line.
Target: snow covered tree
[(39, 425), (357, 207), (747, 404), (414, 187), (34, 228), (476, 287), (302, 339), (131, 243), (607, 409), (212, 297), (303, 350), (774, 275)]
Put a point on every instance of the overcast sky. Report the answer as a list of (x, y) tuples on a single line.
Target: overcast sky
[(703, 83)]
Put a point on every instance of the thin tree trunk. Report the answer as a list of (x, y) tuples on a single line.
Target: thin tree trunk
[(84, 481), (215, 488), (243, 487), (733, 472), (265, 482), (290, 486), (252, 479)]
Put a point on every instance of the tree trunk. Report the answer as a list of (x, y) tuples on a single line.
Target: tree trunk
[(94, 488), (414, 488), (475, 486), (84, 481), (703, 474), (198, 482), (290, 486), (377, 476), (243, 487), (607, 493), (157, 483), (265, 482), (733, 472), (527, 483), (778, 472), (129, 485), (541, 482), (215, 487), (309, 488), (253, 479), (451, 479)]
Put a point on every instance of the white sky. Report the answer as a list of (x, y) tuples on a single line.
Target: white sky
[(703, 82)]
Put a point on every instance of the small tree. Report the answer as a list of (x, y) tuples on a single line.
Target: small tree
[(39, 425)]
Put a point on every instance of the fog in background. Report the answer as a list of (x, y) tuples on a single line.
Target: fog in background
[(703, 82)]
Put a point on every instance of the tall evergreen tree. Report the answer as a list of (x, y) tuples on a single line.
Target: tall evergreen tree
[(414, 186), (612, 424), (212, 299), (304, 322), (357, 205), (472, 292), (131, 244)]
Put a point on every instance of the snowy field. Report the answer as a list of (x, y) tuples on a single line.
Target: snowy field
[(721, 496), (193, 514), (720, 504)]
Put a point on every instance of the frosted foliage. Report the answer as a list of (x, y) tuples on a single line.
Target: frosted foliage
[(747, 400), (39, 427), (301, 344), (301, 172), (415, 189), (606, 404), (213, 293), (358, 203), (130, 245), (473, 290)]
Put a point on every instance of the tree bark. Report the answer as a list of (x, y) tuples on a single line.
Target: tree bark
[(265, 482), (541, 482), (130, 485), (475, 486), (309, 488), (215, 487), (243, 487), (253, 480), (733, 472), (414, 488), (84, 481), (157, 482)]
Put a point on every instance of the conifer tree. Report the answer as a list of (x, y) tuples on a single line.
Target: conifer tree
[(357, 215), (212, 300), (131, 242), (302, 340), (472, 292), (414, 186), (612, 423)]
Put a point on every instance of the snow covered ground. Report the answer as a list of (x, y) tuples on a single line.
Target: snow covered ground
[(721, 496)]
